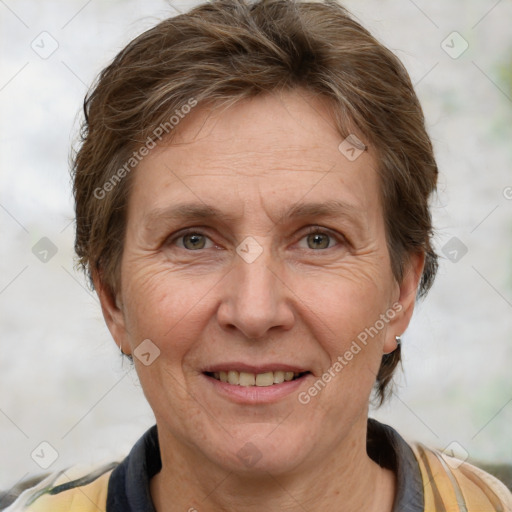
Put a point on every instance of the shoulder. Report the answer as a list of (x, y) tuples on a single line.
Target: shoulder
[(452, 484), (74, 489)]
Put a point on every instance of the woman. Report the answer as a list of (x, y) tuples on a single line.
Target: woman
[(252, 208)]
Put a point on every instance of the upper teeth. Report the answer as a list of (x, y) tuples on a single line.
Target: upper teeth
[(253, 379)]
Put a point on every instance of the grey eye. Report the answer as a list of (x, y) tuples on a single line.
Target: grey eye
[(318, 241), (194, 241)]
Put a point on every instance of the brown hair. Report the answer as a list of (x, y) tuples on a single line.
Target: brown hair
[(226, 50)]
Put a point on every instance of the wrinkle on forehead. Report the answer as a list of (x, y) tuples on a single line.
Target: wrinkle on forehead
[(252, 159)]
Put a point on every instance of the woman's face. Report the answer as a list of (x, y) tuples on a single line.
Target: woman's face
[(255, 245)]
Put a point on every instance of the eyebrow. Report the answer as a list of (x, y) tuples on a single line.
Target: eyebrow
[(197, 212), (186, 211), (324, 209)]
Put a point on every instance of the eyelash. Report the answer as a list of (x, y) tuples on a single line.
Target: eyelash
[(314, 230), (189, 231), (310, 230)]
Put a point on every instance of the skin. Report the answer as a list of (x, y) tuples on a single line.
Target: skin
[(299, 303)]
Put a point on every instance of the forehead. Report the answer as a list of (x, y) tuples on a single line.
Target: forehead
[(269, 153)]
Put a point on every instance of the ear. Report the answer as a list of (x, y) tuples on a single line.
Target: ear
[(112, 310), (405, 300)]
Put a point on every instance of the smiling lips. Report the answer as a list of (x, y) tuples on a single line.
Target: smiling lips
[(241, 374), (247, 379)]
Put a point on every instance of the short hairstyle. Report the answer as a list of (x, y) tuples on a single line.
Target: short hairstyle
[(225, 51)]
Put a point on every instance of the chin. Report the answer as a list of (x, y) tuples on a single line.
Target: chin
[(264, 449)]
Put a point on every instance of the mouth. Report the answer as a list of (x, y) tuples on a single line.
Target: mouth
[(248, 379)]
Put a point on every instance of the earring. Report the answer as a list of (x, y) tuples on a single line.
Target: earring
[(398, 340)]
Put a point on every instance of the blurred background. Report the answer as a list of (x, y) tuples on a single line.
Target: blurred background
[(66, 396)]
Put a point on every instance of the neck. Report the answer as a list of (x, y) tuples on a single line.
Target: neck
[(347, 481)]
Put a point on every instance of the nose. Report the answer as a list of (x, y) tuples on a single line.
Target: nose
[(256, 298)]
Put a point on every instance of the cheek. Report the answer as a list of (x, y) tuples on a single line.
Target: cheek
[(345, 316), (346, 300), (172, 311), (167, 308)]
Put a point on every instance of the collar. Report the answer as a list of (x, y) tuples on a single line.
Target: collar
[(129, 490)]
